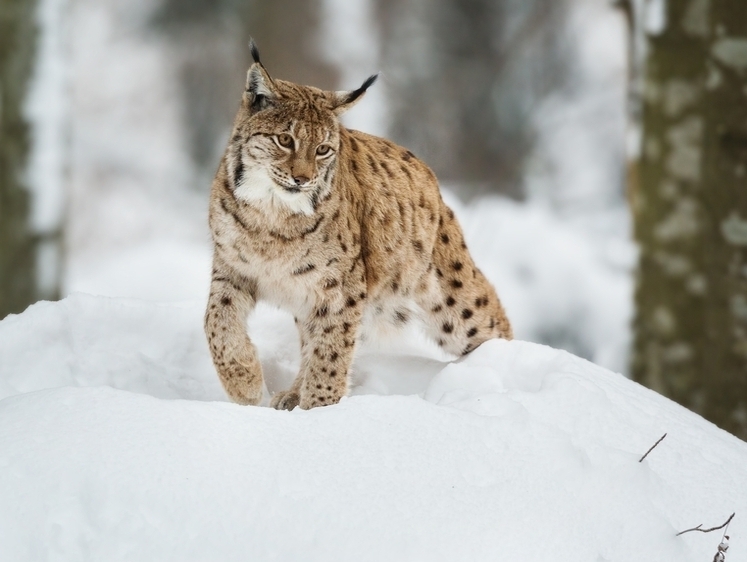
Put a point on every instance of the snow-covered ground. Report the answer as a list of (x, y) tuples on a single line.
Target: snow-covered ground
[(117, 443)]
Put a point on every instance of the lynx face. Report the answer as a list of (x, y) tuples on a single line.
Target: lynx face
[(290, 164), (286, 148)]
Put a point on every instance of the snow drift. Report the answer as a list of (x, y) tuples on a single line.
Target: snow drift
[(116, 443)]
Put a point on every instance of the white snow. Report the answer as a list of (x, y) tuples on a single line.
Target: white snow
[(116, 443)]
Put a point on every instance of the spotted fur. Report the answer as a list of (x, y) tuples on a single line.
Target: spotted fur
[(338, 227)]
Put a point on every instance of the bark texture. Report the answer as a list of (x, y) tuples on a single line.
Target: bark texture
[(17, 243), (691, 213)]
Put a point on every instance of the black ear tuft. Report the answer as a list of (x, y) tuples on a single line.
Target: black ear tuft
[(254, 50), (355, 94)]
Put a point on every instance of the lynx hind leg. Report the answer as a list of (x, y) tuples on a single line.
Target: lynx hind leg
[(462, 308), (234, 356)]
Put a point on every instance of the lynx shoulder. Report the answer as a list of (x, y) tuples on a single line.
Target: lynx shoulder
[(338, 227)]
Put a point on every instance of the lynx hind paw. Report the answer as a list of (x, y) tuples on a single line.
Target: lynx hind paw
[(286, 400)]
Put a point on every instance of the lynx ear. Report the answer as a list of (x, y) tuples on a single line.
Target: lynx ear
[(344, 100), (260, 88)]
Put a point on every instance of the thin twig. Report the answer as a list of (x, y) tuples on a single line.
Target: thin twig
[(698, 528), (652, 447)]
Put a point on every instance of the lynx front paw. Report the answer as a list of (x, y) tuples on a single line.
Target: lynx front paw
[(285, 400), (242, 385)]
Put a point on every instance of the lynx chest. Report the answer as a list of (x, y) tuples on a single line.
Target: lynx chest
[(294, 266)]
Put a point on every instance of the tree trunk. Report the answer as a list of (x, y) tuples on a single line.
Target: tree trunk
[(17, 243), (691, 213)]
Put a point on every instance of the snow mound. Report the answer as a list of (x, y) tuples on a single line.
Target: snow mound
[(116, 443)]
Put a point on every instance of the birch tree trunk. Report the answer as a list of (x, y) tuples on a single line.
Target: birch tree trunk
[(17, 242), (691, 213)]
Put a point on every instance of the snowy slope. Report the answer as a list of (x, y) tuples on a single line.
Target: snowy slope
[(116, 443)]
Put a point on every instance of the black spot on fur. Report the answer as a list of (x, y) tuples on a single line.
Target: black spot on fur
[(304, 269), (351, 302), (401, 317), (334, 356), (456, 283), (448, 327), (372, 163), (472, 332), (238, 173), (225, 301), (437, 308), (331, 283), (466, 313), (323, 311), (418, 245), (445, 238), (450, 301), (457, 265), (314, 227)]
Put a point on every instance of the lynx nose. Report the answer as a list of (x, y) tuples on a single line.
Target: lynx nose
[(300, 180)]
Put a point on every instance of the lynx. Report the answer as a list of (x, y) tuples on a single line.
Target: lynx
[(338, 227)]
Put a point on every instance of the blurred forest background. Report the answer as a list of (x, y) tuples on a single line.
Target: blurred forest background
[(547, 122)]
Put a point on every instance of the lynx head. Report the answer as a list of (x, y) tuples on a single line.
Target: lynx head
[(286, 140)]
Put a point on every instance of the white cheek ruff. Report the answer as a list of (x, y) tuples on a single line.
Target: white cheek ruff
[(258, 189)]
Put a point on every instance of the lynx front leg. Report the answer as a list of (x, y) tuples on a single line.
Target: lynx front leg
[(328, 338), (235, 358)]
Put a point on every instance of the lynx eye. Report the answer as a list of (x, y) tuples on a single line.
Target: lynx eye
[(323, 149), (285, 140)]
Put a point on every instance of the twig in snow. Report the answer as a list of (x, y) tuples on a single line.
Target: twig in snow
[(652, 447), (698, 528)]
